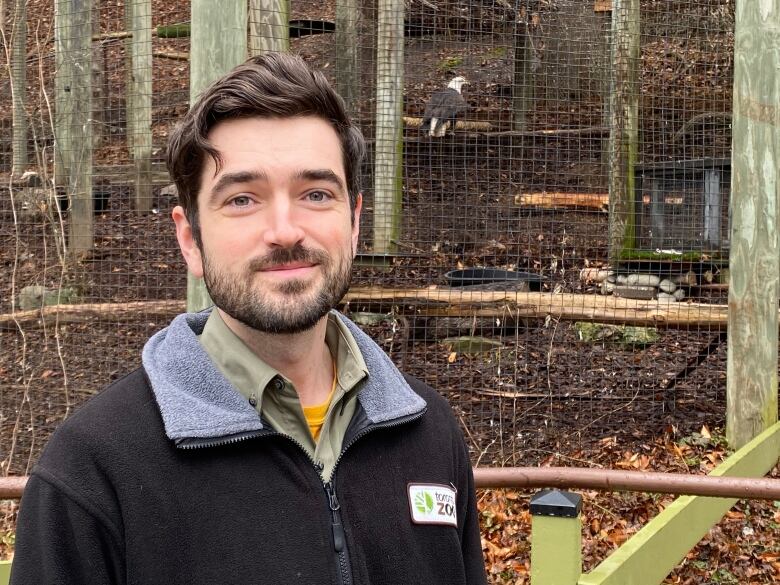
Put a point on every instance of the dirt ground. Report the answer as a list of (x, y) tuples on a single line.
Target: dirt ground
[(545, 396)]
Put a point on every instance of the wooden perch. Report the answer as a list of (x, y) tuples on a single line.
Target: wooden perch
[(170, 31), (441, 302), (178, 56), (568, 306), (459, 125), (89, 313), (548, 200)]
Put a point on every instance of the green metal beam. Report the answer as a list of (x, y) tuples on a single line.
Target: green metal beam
[(649, 556)]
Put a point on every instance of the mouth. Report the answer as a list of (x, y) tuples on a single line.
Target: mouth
[(289, 270)]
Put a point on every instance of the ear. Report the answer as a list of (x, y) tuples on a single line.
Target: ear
[(356, 223), (189, 248)]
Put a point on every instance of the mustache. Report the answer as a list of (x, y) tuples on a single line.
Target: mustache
[(297, 253)]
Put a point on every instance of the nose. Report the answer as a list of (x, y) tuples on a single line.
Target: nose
[(283, 229)]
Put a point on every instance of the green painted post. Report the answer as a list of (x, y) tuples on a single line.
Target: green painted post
[(556, 538), (218, 43), (5, 572), (751, 371)]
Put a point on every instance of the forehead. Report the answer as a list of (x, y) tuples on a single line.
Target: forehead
[(274, 145)]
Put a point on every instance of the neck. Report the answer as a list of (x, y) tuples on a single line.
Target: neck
[(303, 358)]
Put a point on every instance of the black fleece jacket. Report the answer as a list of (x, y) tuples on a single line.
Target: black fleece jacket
[(114, 501)]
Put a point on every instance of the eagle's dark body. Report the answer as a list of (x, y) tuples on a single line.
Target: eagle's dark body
[(443, 109)]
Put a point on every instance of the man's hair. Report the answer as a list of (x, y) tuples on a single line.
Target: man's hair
[(273, 85)]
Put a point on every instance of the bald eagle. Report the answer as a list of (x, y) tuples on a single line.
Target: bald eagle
[(443, 108)]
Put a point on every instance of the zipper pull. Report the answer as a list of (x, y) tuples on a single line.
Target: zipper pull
[(339, 539), (333, 502)]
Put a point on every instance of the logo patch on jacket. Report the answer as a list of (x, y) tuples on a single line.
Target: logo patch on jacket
[(432, 503)]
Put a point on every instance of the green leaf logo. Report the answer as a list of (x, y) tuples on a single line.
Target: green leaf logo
[(423, 502)]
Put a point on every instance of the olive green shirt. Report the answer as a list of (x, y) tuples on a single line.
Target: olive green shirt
[(275, 397)]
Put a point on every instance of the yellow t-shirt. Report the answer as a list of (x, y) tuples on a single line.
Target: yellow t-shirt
[(315, 415)]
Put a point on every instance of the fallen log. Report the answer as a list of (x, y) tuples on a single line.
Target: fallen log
[(459, 125), (91, 312), (175, 55), (436, 302), (547, 200), (450, 302)]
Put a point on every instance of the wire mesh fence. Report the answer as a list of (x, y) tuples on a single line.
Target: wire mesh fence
[(519, 244)]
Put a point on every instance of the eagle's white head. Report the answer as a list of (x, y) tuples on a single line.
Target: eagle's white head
[(457, 83)]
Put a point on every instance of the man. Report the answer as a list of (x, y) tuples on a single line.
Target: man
[(267, 440)]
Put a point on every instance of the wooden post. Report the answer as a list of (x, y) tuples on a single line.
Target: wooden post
[(73, 127), (217, 44), (751, 383), (556, 538), (388, 147), (269, 26), (138, 20), (346, 48), (624, 138), (19, 87), (523, 82), (99, 83)]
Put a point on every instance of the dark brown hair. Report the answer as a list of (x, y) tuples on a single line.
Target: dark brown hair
[(273, 85)]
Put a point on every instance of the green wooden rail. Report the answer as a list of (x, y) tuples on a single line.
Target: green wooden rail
[(651, 554)]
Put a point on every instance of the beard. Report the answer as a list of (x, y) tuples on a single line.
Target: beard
[(302, 303)]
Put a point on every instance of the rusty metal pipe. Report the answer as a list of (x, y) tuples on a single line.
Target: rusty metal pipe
[(633, 481), (579, 478), (11, 488)]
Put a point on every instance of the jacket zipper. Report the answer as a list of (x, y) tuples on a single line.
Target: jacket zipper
[(337, 527), (339, 539), (197, 443)]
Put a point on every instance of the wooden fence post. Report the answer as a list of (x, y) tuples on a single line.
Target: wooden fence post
[(269, 26), (73, 125), (388, 145), (217, 44), (556, 538), (624, 138), (19, 86), (138, 19), (346, 48), (751, 381), (523, 82)]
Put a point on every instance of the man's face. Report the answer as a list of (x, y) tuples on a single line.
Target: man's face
[(276, 227)]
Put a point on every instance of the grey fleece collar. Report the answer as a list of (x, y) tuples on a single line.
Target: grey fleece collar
[(197, 401)]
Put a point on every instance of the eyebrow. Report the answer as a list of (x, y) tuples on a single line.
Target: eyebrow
[(320, 175), (238, 177)]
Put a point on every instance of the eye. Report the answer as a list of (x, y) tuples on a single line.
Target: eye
[(318, 196), (240, 201)]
